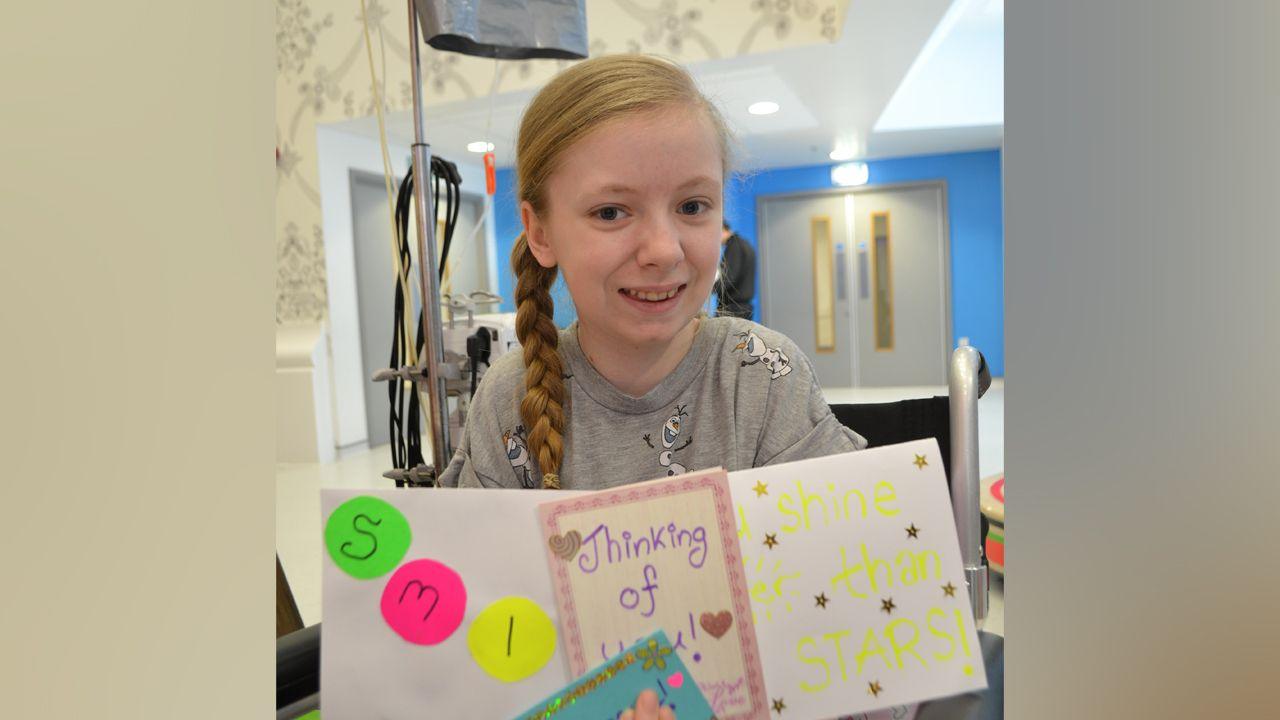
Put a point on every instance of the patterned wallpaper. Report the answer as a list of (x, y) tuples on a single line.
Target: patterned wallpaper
[(322, 76)]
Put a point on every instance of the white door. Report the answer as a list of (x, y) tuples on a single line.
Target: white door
[(885, 320), (375, 283), (903, 294), (805, 281)]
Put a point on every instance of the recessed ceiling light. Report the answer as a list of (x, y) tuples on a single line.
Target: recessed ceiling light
[(847, 174), (480, 146), (764, 107), (842, 154)]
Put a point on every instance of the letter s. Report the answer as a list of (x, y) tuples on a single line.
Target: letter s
[(373, 538), (813, 660)]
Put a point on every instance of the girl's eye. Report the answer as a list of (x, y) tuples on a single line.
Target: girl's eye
[(609, 214), (692, 207)]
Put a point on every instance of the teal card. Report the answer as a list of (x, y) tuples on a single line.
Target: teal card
[(608, 689)]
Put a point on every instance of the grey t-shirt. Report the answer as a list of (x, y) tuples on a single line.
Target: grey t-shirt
[(743, 396)]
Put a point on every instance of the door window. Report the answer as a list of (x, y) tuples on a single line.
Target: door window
[(882, 279)]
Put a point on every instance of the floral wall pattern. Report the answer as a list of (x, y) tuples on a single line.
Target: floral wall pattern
[(322, 76)]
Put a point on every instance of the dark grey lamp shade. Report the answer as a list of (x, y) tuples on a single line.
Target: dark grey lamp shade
[(506, 29)]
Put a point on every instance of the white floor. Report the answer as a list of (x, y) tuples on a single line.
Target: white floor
[(298, 529)]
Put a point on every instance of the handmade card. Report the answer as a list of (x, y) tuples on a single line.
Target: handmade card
[(659, 555), (856, 584), (437, 603), (440, 603), (613, 686)]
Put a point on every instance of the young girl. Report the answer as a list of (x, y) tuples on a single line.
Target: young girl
[(621, 164)]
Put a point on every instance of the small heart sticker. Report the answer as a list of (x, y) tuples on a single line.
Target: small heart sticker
[(716, 623), (566, 546), (676, 680)]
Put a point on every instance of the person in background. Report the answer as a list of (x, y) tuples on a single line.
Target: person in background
[(736, 283)]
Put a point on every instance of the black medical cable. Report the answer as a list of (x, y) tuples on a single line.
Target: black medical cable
[(395, 387), (406, 436)]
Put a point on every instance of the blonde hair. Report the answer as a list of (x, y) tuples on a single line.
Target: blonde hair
[(576, 102)]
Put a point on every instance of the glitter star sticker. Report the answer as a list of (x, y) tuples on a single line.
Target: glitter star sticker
[(821, 600), (920, 462), (913, 531), (874, 688), (761, 488), (887, 605), (949, 590), (778, 705), (770, 539)]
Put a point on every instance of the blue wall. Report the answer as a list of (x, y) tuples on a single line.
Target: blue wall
[(507, 228), (974, 204)]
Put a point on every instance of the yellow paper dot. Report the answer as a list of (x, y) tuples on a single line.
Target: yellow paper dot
[(512, 639), (968, 669)]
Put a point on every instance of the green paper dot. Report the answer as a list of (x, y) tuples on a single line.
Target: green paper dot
[(367, 537)]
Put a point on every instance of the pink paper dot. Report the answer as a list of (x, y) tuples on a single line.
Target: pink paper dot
[(676, 680), (424, 602)]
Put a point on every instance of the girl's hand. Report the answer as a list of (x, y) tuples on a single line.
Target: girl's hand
[(647, 709)]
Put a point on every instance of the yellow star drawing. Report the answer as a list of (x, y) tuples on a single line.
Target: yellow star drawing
[(887, 605), (913, 531), (770, 539), (761, 488), (874, 688), (920, 462), (778, 705), (949, 590), (821, 600)]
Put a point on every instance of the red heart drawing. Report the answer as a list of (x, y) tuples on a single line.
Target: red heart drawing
[(716, 623)]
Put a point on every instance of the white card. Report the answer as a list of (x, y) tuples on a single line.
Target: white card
[(491, 539), (836, 638)]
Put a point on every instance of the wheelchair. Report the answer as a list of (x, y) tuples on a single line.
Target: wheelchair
[(952, 420)]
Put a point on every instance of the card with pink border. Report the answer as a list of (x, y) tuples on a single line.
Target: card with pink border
[(660, 555)]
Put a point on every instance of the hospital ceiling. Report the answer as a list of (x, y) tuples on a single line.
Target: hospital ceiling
[(903, 78)]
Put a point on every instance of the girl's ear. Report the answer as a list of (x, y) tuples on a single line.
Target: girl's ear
[(535, 232)]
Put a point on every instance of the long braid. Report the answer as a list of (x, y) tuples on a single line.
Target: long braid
[(542, 408), (569, 107)]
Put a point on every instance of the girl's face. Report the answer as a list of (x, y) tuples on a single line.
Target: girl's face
[(633, 220)]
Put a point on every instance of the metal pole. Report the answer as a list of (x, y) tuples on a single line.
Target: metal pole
[(964, 391), (433, 349)]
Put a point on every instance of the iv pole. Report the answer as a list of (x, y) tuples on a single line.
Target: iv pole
[(561, 34), (432, 332)]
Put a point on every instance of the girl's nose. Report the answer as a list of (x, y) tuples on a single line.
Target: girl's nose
[(659, 244)]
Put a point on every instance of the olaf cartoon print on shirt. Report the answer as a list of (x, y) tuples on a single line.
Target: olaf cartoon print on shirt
[(773, 358), (518, 455), (671, 431)]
